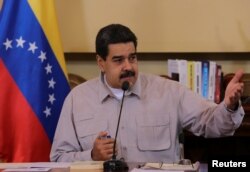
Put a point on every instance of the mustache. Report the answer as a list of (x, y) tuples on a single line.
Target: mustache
[(127, 73)]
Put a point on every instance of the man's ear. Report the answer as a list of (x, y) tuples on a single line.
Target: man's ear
[(100, 63)]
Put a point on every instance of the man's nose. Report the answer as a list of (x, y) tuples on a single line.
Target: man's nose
[(127, 65)]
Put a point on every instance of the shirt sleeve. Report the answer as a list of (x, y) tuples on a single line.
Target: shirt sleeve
[(205, 118), (237, 115)]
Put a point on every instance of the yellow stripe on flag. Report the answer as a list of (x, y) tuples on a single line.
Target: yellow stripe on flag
[(48, 21)]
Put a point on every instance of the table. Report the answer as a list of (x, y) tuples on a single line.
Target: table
[(132, 165)]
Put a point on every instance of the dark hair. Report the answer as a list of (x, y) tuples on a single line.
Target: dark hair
[(111, 34)]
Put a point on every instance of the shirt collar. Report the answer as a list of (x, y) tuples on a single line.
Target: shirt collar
[(136, 88), (105, 92)]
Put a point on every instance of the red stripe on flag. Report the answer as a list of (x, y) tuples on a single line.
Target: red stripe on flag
[(22, 137)]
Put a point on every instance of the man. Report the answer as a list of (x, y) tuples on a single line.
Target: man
[(155, 109)]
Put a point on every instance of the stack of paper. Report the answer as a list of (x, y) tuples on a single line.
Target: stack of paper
[(87, 166)]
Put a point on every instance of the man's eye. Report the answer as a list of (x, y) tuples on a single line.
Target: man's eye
[(118, 60), (132, 58)]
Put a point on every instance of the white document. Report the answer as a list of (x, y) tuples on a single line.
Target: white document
[(27, 169), (156, 167), (34, 165)]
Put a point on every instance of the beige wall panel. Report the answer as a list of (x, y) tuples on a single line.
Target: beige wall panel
[(161, 25)]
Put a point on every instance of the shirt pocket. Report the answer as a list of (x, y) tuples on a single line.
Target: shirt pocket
[(153, 133), (88, 129)]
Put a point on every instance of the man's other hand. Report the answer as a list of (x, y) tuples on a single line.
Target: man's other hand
[(234, 91)]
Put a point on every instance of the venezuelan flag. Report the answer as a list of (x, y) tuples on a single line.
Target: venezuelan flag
[(33, 82)]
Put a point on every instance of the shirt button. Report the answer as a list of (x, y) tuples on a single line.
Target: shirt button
[(123, 127), (124, 149)]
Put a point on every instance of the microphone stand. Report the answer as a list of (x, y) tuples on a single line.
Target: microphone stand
[(115, 165)]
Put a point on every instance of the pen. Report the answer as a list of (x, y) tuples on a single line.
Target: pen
[(104, 137)]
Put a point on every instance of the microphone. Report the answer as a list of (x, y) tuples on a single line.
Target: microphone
[(125, 86), (115, 165)]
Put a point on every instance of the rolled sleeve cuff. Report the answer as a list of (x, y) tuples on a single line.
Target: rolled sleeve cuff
[(236, 115)]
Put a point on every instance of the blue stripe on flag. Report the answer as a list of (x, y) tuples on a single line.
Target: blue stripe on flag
[(33, 66)]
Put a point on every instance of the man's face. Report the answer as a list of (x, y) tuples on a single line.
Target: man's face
[(120, 65)]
